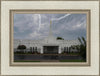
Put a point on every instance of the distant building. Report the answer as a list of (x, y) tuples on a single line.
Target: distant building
[(48, 45)]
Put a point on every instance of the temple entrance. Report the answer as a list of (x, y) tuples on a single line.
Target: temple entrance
[(50, 49)]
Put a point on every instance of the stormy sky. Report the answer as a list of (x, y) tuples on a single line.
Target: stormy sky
[(36, 26)]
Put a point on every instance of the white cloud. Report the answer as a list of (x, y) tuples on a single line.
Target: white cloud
[(79, 26), (38, 24), (35, 35), (35, 18)]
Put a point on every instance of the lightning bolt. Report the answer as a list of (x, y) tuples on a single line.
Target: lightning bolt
[(57, 19), (39, 21), (53, 19)]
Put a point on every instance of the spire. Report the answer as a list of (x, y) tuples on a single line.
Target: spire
[(50, 30)]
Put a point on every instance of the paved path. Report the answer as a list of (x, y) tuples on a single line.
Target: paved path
[(46, 57)]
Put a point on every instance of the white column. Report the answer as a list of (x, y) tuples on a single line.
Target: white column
[(59, 51), (41, 50)]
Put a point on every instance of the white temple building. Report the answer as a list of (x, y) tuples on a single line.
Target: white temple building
[(49, 44)]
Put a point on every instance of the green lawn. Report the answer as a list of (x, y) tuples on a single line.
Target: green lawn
[(72, 60), (26, 61), (59, 61)]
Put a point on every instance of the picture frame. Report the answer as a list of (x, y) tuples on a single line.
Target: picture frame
[(87, 12), (92, 35)]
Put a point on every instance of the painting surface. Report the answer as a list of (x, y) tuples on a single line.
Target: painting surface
[(50, 37)]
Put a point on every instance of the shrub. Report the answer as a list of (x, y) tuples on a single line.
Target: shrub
[(21, 47)]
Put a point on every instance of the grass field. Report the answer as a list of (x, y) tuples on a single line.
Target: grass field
[(51, 61), (26, 61), (72, 61)]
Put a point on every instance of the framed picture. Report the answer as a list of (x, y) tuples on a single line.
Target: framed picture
[(45, 44), (50, 38)]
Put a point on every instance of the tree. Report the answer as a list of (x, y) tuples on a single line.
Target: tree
[(21, 47), (60, 38), (82, 47)]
